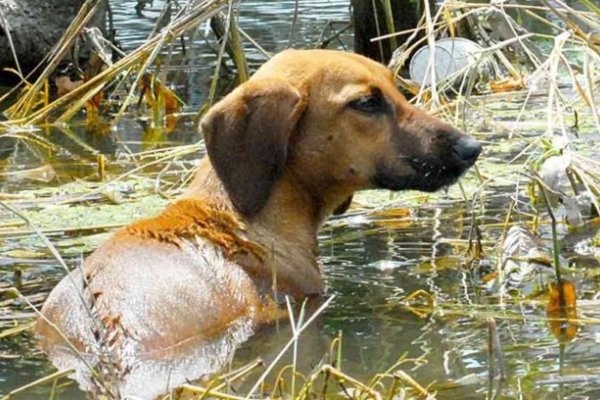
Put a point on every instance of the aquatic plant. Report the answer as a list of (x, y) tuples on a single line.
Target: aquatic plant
[(509, 216)]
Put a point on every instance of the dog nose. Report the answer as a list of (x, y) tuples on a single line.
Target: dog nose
[(467, 149)]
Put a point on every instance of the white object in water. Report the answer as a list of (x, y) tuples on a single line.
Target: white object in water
[(453, 57)]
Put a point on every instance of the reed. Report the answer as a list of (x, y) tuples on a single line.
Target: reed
[(33, 112)]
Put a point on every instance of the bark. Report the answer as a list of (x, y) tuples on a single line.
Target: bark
[(35, 26)]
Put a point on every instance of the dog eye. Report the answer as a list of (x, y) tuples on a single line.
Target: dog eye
[(370, 104)]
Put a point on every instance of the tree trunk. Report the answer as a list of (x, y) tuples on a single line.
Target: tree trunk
[(34, 26), (370, 22)]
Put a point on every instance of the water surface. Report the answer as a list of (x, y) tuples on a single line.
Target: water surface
[(370, 261)]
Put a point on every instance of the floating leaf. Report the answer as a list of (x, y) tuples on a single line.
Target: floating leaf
[(562, 310)]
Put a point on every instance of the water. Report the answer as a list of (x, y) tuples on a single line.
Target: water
[(370, 261), (268, 22)]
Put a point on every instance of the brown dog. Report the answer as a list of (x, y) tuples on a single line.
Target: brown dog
[(285, 150)]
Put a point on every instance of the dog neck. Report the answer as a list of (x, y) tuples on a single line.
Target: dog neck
[(286, 227)]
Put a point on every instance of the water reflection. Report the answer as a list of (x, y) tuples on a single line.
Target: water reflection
[(368, 265)]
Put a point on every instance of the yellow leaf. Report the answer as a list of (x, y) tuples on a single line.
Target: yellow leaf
[(562, 310)]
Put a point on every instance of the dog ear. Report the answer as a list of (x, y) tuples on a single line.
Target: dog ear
[(247, 136)]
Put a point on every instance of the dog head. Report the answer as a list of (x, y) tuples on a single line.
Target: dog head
[(335, 122)]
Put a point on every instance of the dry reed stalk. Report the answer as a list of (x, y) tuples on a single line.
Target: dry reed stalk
[(85, 14), (216, 75), (50, 378), (140, 58), (299, 329)]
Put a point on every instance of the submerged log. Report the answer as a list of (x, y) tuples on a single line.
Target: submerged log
[(370, 22), (30, 28)]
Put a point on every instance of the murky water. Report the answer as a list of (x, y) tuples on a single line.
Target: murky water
[(370, 260)]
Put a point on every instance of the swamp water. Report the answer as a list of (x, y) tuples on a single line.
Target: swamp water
[(385, 248)]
